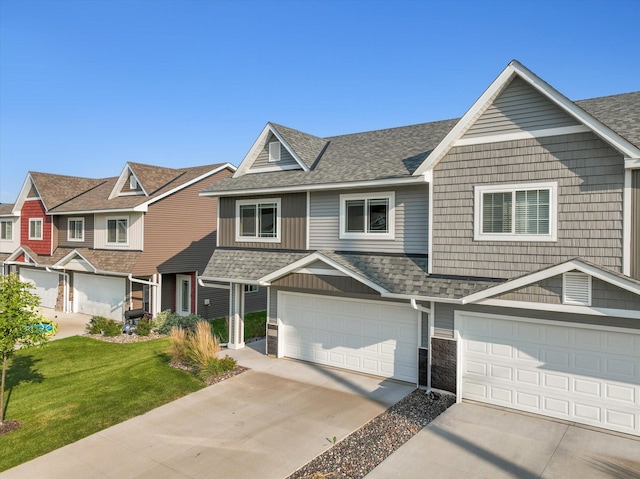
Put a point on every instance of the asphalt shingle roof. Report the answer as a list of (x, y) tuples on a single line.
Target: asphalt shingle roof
[(247, 265), (103, 260), (307, 147)]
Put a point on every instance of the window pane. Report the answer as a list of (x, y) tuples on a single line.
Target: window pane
[(496, 213), (378, 213), (355, 216), (184, 300), (6, 230), (122, 231), (267, 220), (532, 212), (247, 220), (111, 231)]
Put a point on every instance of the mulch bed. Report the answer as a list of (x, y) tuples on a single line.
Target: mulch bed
[(125, 338), (9, 425)]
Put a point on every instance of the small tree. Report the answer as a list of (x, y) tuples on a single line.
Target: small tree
[(20, 322)]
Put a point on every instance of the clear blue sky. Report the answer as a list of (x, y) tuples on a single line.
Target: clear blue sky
[(87, 85)]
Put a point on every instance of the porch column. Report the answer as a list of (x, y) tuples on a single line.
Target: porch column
[(236, 316)]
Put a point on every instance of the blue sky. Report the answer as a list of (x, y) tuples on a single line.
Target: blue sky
[(87, 85)]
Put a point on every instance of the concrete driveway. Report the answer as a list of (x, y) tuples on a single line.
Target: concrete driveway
[(69, 324), (474, 441), (266, 422)]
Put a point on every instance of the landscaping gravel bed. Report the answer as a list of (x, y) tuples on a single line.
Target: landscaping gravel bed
[(357, 454)]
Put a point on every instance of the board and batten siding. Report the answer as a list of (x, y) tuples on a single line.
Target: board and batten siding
[(135, 232), (411, 222), (519, 108), (635, 224), (293, 234), (180, 231), (590, 178), (62, 225), (287, 161)]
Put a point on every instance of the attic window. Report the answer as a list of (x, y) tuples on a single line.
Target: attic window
[(576, 288), (133, 184), (274, 151)]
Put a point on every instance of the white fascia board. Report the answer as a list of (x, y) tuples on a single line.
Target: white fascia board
[(632, 163), (480, 105), (124, 176), (561, 308), (250, 157), (75, 253), (301, 263), (12, 257), (434, 299), (522, 135), (139, 208), (22, 196), (410, 180), (550, 272), (486, 99), (232, 280), (185, 185)]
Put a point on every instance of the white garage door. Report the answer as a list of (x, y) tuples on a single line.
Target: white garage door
[(372, 337), (565, 371), (46, 285), (99, 295)]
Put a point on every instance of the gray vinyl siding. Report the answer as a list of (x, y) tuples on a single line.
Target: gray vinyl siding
[(293, 232), (411, 222), (424, 330), (590, 178), (443, 319), (547, 291), (635, 224), (605, 295), (519, 108), (256, 301), (262, 160), (62, 223), (219, 302), (272, 312)]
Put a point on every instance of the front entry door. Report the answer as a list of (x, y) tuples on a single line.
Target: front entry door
[(183, 294)]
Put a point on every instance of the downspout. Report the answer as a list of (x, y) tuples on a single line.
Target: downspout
[(65, 289), (417, 307), (422, 309)]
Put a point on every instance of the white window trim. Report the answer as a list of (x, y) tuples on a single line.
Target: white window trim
[(391, 223), (250, 288), (10, 223), (116, 243), (69, 238), (36, 220), (479, 191), (257, 239), (273, 158), (133, 183)]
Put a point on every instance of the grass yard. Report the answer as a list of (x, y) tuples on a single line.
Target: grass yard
[(74, 387), (255, 326)]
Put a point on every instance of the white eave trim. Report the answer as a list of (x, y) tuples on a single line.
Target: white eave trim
[(549, 273), (122, 179), (562, 308), (486, 99), (409, 180), (73, 254), (521, 135), (250, 157), (230, 280), (632, 163)]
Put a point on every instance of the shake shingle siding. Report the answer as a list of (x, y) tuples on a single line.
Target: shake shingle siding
[(590, 177), (548, 291), (519, 108), (411, 223), (292, 223)]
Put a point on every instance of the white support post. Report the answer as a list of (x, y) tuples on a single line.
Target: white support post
[(236, 316)]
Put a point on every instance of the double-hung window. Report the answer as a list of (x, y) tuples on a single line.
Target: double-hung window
[(367, 216), (258, 220), (117, 231), (6, 230), (75, 229), (35, 228), (525, 212)]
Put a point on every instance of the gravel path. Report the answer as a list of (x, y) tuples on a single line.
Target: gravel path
[(357, 454)]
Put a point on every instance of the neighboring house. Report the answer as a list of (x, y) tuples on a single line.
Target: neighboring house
[(496, 256), (104, 246)]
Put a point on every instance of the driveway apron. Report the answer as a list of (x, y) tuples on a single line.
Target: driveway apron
[(266, 422)]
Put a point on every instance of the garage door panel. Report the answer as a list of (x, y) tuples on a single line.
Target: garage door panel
[(372, 337), (581, 380), (99, 295), (45, 285)]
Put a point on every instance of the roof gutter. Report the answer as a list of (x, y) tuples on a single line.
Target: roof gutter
[(417, 307), (141, 281)]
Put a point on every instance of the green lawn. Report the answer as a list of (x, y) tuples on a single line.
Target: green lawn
[(74, 387), (255, 326)]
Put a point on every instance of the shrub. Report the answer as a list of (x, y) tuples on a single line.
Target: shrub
[(166, 320), (144, 327), (202, 345), (216, 367), (178, 350), (102, 325)]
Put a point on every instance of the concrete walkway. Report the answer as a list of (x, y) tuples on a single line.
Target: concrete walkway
[(69, 324), (479, 442), (266, 422)]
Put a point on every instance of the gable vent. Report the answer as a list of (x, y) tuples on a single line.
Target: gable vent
[(576, 288)]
